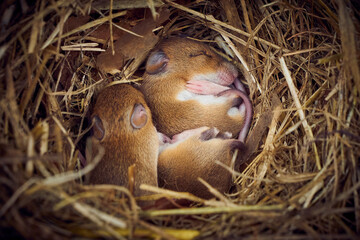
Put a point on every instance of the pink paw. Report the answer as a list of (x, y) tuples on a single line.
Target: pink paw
[(204, 87), (187, 134)]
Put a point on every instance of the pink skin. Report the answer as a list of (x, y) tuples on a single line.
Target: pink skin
[(204, 134), (239, 85), (205, 87), (163, 139), (188, 133), (139, 117), (213, 83)]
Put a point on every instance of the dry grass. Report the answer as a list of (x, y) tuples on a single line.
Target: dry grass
[(302, 177)]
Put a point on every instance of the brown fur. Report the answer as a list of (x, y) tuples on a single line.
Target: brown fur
[(187, 58), (124, 145), (180, 166)]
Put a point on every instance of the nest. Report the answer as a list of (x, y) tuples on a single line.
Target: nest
[(301, 179)]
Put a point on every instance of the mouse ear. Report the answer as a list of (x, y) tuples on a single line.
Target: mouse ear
[(139, 116), (156, 62), (98, 128)]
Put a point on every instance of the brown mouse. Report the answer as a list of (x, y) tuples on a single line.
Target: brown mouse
[(123, 126), (184, 85), (193, 154)]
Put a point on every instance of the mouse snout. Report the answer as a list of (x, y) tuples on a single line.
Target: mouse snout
[(231, 69), (227, 73)]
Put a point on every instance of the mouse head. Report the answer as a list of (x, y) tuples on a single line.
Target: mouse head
[(190, 60), (122, 125), (194, 153), (121, 113)]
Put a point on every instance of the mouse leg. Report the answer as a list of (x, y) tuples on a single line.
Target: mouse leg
[(205, 87)]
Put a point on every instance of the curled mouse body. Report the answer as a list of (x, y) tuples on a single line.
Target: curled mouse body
[(183, 83), (193, 154), (123, 126)]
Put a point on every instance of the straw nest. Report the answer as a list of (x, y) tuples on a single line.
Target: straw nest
[(300, 63)]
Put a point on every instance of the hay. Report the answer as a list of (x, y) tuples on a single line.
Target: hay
[(302, 176)]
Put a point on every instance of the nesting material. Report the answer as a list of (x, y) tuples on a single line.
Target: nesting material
[(299, 60)]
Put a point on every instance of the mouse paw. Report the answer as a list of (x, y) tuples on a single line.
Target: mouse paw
[(204, 87), (187, 134), (209, 134)]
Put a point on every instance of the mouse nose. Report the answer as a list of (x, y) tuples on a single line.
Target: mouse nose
[(227, 73), (231, 69)]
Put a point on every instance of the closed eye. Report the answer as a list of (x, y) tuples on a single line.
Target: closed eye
[(201, 53)]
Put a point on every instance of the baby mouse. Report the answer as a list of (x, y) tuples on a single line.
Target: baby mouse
[(193, 154), (123, 126), (184, 85)]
